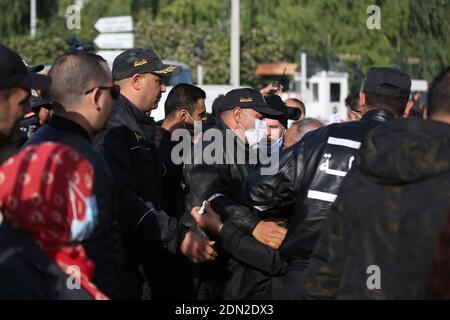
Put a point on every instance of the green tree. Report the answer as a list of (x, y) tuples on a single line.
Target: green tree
[(173, 40), (271, 31), (194, 12), (427, 37), (15, 18)]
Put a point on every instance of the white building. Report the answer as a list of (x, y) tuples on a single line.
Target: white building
[(324, 97)]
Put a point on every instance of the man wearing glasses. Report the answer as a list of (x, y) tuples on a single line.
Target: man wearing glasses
[(149, 234), (82, 92)]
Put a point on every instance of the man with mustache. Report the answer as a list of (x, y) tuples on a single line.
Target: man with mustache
[(128, 144)]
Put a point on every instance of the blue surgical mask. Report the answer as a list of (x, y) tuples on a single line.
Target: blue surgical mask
[(81, 229), (277, 145)]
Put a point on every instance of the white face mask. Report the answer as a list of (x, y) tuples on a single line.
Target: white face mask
[(197, 123), (196, 133), (277, 145), (257, 134), (81, 229), (290, 123)]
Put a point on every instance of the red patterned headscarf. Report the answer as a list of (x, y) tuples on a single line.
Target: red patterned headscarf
[(36, 197)]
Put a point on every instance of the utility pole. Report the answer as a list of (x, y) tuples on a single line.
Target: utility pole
[(235, 44), (33, 18), (304, 74), (199, 57)]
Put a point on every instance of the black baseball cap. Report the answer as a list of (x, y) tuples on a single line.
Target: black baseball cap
[(217, 104), (388, 82), (248, 98), (274, 101), (37, 103), (14, 73), (141, 60), (36, 69)]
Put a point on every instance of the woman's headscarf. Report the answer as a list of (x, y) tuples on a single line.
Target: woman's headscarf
[(46, 192)]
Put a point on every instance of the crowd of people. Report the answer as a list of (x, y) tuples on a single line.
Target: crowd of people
[(96, 201)]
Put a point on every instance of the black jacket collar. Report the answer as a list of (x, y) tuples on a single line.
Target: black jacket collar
[(379, 115), (70, 126), (137, 114)]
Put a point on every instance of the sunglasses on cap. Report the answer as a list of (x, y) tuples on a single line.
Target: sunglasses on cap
[(113, 90)]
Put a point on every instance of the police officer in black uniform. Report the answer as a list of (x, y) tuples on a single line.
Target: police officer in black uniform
[(306, 185), (311, 172), (32, 121), (128, 145)]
